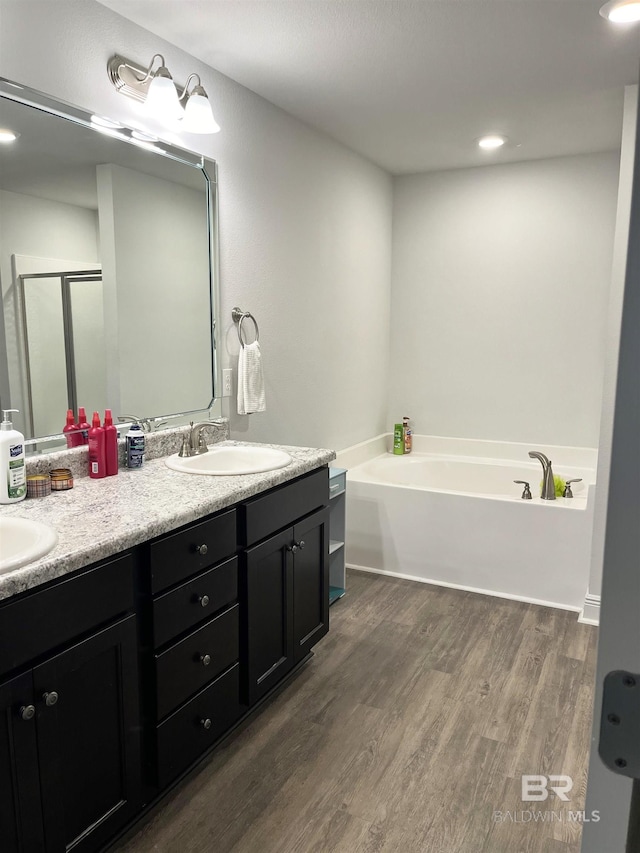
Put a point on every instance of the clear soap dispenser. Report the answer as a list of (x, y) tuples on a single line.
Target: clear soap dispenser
[(13, 474)]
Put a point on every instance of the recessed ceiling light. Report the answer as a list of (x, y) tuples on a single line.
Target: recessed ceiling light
[(105, 122), (492, 141), (621, 11), (7, 136)]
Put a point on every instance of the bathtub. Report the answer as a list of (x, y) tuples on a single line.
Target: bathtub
[(450, 514)]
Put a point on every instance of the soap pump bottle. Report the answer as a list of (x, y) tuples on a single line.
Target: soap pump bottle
[(110, 444), (398, 439), (13, 474), (97, 455)]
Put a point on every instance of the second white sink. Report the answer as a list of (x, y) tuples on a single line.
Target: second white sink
[(225, 461), (22, 541)]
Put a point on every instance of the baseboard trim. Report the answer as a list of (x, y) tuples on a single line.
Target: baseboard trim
[(525, 599), (590, 613)]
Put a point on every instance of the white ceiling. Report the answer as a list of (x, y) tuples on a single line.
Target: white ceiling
[(411, 84)]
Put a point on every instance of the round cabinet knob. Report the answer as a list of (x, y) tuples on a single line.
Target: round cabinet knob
[(293, 548), (301, 544), (202, 549), (204, 600), (206, 724), (205, 660), (50, 699), (27, 712)]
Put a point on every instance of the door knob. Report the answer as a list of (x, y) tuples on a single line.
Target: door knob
[(27, 712), (205, 660), (50, 699)]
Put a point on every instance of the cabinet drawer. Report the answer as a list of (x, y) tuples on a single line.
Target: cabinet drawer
[(45, 620), (194, 601), (180, 555), (266, 514), (193, 662), (195, 727)]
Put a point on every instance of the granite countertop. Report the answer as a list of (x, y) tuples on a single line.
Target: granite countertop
[(99, 518)]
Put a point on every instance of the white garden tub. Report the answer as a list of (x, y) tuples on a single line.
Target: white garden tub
[(450, 514)]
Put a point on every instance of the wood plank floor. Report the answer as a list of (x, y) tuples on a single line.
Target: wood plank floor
[(408, 730)]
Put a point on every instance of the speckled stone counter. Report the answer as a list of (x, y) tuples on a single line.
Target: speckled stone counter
[(99, 518)]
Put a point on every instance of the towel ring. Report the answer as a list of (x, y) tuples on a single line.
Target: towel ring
[(239, 317)]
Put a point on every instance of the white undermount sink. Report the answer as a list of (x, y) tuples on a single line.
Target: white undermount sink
[(225, 461), (22, 541)]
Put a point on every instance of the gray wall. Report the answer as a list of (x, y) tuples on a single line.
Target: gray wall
[(500, 287), (305, 223)]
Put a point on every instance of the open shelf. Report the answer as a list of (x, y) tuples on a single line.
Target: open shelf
[(335, 592), (335, 545)]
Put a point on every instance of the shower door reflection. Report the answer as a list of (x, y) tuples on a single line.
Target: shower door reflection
[(64, 346)]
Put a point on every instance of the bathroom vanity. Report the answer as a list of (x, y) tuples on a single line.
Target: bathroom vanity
[(117, 675)]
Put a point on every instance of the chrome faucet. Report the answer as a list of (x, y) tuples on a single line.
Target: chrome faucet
[(548, 492), (194, 444)]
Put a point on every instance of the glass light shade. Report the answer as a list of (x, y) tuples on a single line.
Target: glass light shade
[(198, 116), (622, 12), (162, 100), (491, 142)]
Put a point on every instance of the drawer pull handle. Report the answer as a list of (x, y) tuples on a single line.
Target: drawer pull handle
[(50, 699), (206, 724), (203, 600), (27, 712), (205, 660), (201, 549)]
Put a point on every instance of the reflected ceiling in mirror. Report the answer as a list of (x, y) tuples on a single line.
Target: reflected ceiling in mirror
[(107, 268)]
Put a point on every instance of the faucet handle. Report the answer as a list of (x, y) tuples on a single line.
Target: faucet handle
[(567, 487), (185, 450), (526, 492)]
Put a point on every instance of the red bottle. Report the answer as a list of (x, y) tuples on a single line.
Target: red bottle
[(83, 425), (110, 444), (74, 437), (97, 455)]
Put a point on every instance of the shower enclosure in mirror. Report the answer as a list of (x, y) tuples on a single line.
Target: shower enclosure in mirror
[(107, 268)]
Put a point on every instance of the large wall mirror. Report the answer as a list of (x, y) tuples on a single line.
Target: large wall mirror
[(107, 267)]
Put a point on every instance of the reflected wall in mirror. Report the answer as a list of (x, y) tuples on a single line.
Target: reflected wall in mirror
[(107, 268)]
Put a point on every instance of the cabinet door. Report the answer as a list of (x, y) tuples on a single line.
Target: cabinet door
[(88, 738), (310, 582), (268, 593), (20, 810)]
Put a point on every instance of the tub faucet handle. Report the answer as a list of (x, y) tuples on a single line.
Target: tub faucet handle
[(526, 492), (567, 487)]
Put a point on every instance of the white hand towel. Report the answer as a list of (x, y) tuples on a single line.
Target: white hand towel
[(251, 396)]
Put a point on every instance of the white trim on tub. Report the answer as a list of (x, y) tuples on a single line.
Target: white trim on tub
[(476, 590), (590, 613)]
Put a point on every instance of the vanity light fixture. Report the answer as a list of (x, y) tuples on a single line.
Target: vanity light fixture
[(7, 136), (491, 142), (189, 111), (100, 121), (621, 11)]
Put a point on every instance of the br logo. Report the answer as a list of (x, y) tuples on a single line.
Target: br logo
[(536, 788)]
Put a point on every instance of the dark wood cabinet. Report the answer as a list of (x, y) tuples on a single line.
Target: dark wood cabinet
[(286, 590), (69, 746), (118, 678)]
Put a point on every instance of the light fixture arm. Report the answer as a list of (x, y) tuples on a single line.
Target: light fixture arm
[(132, 79)]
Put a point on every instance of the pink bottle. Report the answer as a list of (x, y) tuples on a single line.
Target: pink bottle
[(110, 444), (74, 437), (83, 425), (97, 455)]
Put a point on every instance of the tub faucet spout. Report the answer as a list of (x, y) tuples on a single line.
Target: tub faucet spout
[(548, 492)]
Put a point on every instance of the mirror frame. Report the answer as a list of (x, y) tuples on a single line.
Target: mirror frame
[(49, 105)]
